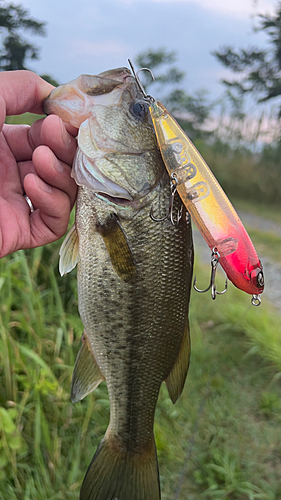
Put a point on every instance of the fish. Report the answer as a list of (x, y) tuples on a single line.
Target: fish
[(133, 277), (208, 205)]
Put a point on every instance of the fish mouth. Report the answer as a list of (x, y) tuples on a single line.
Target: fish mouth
[(86, 173), (114, 199)]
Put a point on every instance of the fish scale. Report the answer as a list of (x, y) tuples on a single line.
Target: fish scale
[(133, 277), (154, 309)]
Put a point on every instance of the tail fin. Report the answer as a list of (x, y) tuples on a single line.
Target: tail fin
[(117, 475)]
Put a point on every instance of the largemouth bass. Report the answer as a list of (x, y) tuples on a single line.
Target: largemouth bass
[(133, 276)]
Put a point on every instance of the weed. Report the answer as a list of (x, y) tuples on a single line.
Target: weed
[(220, 441)]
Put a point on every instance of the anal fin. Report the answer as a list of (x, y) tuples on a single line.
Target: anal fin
[(86, 374), (69, 254), (176, 378)]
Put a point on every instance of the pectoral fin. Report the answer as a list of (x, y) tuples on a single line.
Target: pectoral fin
[(86, 374), (69, 254), (118, 247), (176, 378)]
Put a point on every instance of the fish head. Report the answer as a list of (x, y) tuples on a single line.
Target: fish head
[(72, 101), (117, 157)]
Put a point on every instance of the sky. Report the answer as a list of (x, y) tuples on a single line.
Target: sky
[(97, 35)]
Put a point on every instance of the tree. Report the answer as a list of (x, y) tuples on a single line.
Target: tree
[(152, 59), (15, 48), (191, 111), (259, 70)]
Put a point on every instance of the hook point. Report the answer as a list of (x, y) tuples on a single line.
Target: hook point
[(215, 257)]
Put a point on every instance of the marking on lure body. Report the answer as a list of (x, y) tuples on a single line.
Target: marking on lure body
[(198, 192)]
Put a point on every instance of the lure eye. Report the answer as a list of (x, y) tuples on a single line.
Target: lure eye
[(139, 110), (257, 278), (260, 279)]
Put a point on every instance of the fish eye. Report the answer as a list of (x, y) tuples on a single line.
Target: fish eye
[(139, 110)]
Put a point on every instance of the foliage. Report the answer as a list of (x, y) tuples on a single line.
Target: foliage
[(220, 440), (229, 149), (16, 49), (259, 70), (242, 173), (152, 59), (25, 118), (267, 243), (224, 477), (38, 347), (193, 110), (196, 105)]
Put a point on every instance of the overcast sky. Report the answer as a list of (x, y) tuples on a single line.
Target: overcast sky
[(91, 36)]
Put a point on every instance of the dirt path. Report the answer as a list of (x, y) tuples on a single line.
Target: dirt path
[(272, 271), (257, 222)]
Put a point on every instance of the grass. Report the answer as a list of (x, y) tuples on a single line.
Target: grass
[(266, 210), (24, 119), (221, 439), (267, 244)]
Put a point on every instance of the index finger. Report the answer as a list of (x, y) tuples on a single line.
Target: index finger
[(23, 91)]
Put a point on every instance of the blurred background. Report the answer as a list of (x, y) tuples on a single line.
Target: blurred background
[(217, 66)]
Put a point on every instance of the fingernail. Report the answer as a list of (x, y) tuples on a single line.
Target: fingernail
[(43, 186), (58, 166)]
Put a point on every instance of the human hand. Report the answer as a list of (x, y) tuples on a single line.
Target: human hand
[(34, 160)]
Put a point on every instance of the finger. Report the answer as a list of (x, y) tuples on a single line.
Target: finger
[(54, 172), (14, 224), (23, 91), (17, 138), (25, 168), (23, 139), (71, 129), (49, 222), (2, 111), (52, 133), (9, 175)]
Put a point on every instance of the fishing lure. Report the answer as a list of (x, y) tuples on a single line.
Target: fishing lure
[(207, 204)]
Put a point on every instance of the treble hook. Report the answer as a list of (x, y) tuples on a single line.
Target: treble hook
[(173, 187), (215, 257), (136, 75)]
